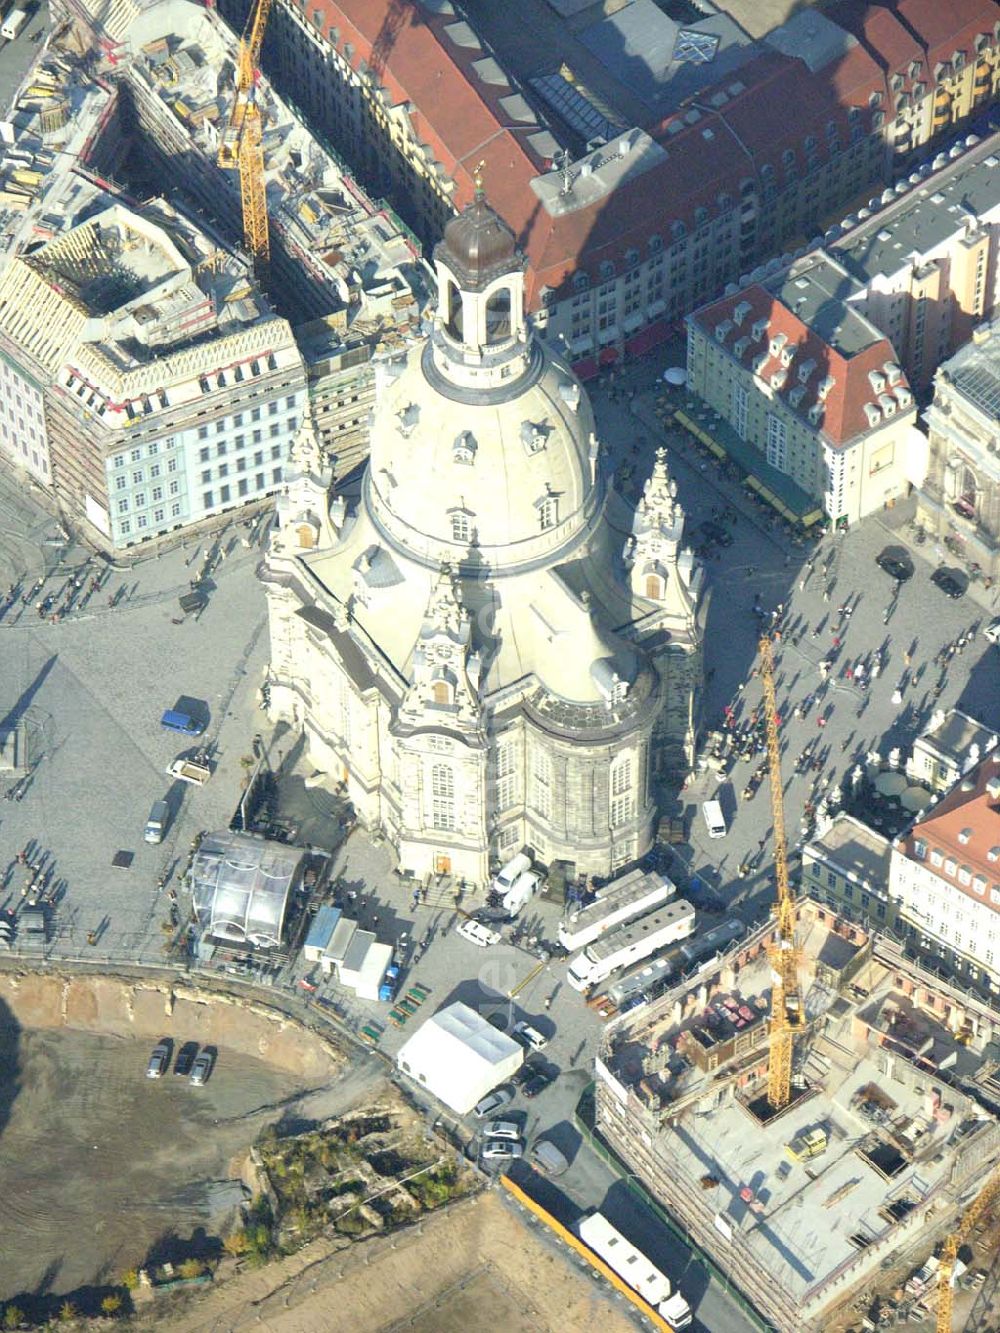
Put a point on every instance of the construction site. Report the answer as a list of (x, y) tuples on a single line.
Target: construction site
[(815, 1109), (271, 255)]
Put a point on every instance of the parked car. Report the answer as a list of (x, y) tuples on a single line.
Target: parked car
[(529, 1036), (493, 1101), (501, 1129), (476, 933), (547, 1158), (502, 1150), (950, 583), (896, 563), (536, 1085), (527, 1072), (185, 1058), (992, 631), (159, 1061), (201, 1070)]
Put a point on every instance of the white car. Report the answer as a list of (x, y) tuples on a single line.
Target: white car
[(476, 933), (992, 631), (529, 1036)]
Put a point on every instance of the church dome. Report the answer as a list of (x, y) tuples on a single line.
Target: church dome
[(478, 246), (492, 480)]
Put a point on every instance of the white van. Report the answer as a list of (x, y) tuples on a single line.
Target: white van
[(715, 820)]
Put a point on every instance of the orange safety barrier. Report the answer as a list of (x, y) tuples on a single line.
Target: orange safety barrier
[(557, 1228)]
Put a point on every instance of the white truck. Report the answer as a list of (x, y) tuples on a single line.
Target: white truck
[(517, 883), (628, 944), (626, 897), (13, 23), (634, 1269), (190, 770)]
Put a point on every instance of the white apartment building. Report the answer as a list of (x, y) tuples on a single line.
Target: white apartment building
[(944, 876)]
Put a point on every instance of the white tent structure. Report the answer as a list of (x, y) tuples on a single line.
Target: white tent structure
[(459, 1057)]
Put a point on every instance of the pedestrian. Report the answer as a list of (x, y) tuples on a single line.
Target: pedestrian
[(821, 720), (548, 1002), (802, 583), (907, 659)]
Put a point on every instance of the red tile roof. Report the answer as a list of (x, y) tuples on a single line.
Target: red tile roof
[(460, 118), (969, 808), (844, 378)]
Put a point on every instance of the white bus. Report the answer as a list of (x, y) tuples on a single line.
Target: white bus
[(634, 1269), (630, 943), (626, 897)]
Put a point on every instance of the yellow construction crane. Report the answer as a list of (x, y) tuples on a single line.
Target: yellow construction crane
[(242, 141), (986, 1197), (786, 1010)]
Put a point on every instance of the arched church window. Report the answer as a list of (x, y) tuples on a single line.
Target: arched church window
[(498, 316), (966, 503), (455, 321), (654, 587), (442, 797)]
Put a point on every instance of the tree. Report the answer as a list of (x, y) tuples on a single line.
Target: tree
[(112, 1303), (236, 1243), (12, 1317), (67, 1311), (191, 1268), (130, 1279)]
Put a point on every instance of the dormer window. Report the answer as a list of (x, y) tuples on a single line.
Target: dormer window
[(678, 230), (920, 849), (534, 436), (758, 330), (581, 281), (548, 512), (965, 836), (607, 270), (815, 414), (825, 385), (464, 448), (777, 343), (655, 245), (740, 312), (778, 379), (461, 525), (805, 369)]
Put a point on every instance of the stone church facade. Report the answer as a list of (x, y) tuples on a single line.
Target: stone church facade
[(487, 646)]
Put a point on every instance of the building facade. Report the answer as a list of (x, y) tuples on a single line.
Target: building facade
[(927, 264), (489, 649), (812, 385), (959, 501), (945, 875), (153, 391)]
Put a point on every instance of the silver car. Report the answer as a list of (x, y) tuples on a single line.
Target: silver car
[(501, 1129), (158, 1061), (501, 1150)]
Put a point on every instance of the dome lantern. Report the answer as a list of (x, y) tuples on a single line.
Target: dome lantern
[(480, 274)]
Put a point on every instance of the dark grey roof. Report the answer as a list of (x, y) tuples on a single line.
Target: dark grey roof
[(655, 57)]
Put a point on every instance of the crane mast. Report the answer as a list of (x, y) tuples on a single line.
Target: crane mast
[(242, 141), (983, 1201), (786, 1013)]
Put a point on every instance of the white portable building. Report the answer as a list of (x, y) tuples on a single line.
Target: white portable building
[(372, 970), (458, 1056)]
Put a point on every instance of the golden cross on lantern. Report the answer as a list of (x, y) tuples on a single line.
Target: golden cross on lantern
[(477, 177)]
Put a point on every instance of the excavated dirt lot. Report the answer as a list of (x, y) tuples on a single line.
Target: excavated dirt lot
[(476, 1265), (100, 1165)]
